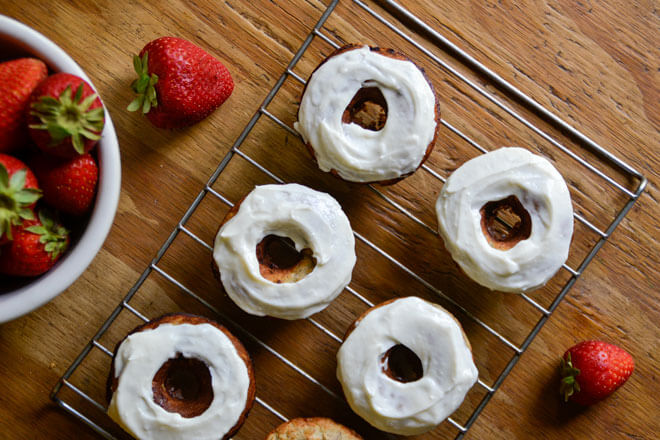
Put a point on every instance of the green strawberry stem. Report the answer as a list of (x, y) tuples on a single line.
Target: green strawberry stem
[(66, 117), (143, 86), (52, 235), (15, 200), (569, 384)]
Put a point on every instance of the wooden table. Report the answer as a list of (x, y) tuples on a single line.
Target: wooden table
[(593, 63)]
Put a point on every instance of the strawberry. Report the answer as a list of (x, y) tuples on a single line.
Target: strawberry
[(178, 83), (38, 244), (69, 185), (592, 370), (19, 192), (18, 78), (66, 116)]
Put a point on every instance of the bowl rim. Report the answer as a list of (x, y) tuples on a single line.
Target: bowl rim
[(38, 292)]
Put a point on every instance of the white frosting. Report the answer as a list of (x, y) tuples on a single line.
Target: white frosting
[(311, 219), (142, 354), (358, 154), (495, 176), (435, 337)]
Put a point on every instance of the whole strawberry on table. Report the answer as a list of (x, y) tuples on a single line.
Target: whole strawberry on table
[(592, 370), (62, 117), (179, 83)]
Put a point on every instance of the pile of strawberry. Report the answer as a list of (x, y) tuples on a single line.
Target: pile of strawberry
[(48, 127)]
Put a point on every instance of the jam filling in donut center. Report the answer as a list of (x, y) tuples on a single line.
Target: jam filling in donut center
[(402, 364), (280, 262), (183, 385), (505, 222), (368, 109)]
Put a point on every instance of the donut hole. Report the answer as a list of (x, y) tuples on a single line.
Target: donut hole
[(368, 109), (505, 222), (402, 364), (280, 262), (183, 385)]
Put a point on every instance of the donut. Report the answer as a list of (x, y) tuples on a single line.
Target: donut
[(180, 377), (523, 187), (340, 122), (285, 251), (405, 365), (312, 428)]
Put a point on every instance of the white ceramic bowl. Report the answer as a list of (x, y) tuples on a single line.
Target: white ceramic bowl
[(18, 39)]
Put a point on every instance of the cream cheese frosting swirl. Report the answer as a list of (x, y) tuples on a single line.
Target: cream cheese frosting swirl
[(492, 178), (312, 220), (358, 154), (142, 354), (435, 336)]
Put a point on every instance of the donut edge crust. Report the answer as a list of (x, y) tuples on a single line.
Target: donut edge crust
[(391, 53), (330, 429), (186, 318)]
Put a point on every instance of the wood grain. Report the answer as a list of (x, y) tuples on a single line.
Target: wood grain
[(595, 64)]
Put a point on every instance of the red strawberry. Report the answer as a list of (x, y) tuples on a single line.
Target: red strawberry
[(66, 116), (19, 192), (18, 78), (36, 247), (592, 370), (69, 185), (178, 83)]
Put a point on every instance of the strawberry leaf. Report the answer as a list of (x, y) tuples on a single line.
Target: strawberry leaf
[(79, 93), (44, 104), (17, 180), (90, 135), (87, 102), (27, 196), (57, 133), (37, 229), (141, 84), (26, 214), (146, 106), (151, 96), (45, 218), (137, 64), (135, 104), (78, 143), (4, 177), (145, 64), (96, 116), (65, 96)]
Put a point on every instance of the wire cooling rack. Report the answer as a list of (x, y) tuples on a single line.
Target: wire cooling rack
[(80, 389)]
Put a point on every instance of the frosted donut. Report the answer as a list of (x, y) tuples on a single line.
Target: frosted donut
[(180, 377), (507, 179), (339, 89), (413, 396), (313, 223)]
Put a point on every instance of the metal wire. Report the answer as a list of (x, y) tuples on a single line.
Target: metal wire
[(441, 41)]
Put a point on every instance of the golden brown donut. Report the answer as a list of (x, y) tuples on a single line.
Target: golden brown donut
[(313, 428)]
